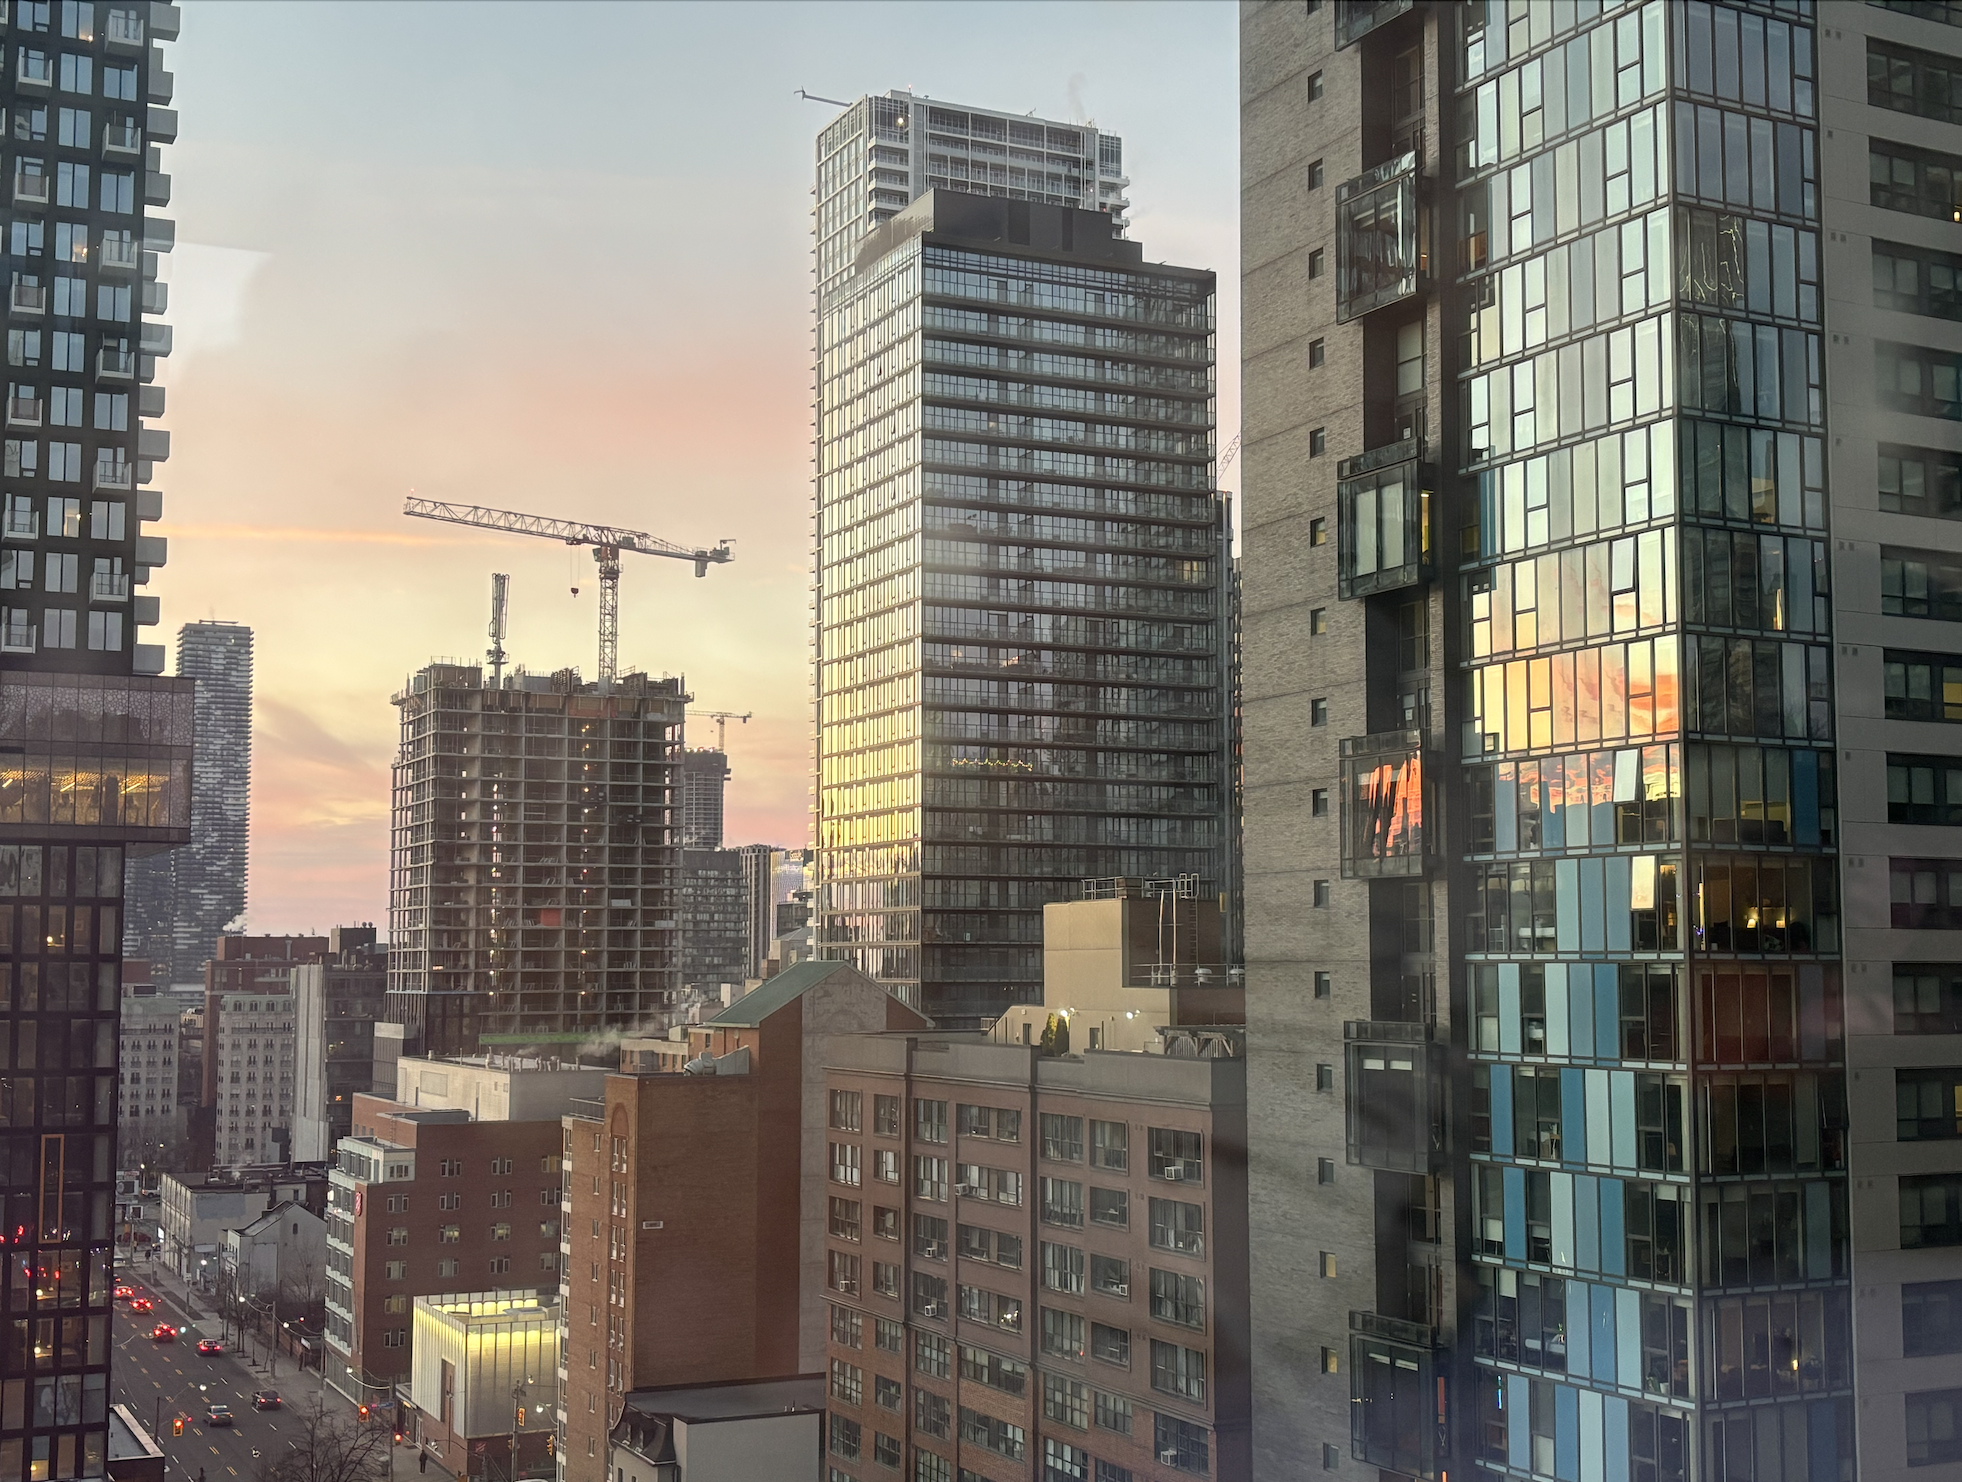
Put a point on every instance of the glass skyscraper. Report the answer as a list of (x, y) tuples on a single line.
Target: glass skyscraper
[(1022, 599), (1565, 1160), (95, 746)]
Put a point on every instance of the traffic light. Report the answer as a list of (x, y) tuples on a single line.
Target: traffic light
[(521, 1417), (551, 1442), (177, 1426), (362, 1412)]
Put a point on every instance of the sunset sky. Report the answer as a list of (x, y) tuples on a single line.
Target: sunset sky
[(555, 258)]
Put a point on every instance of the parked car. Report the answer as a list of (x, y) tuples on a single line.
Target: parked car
[(210, 1345), (163, 1332), (266, 1399), (218, 1415)]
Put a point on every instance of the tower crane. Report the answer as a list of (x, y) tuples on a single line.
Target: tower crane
[(500, 597), (721, 719), (607, 543)]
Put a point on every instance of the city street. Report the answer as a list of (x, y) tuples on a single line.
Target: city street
[(186, 1382)]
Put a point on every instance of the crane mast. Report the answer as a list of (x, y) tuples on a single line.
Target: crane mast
[(606, 541), (500, 597)]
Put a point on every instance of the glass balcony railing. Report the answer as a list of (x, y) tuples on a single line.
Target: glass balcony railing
[(1355, 19), (121, 138), (36, 69), (27, 297), (1395, 1112), (113, 476), (115, 363), (125, 29), (1383, 514), (17, 635), (1381, 244), (118, 252), (24, 411), (30, 189), (109, 586), (21, 524)]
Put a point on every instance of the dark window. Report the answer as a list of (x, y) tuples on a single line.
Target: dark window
[(1924, 789), (1316, 174), (1931, 1210), (1918, 379), (1916, 280), (1921, 481), (1324, 984), (1314, 82), (1181, 1444), (1948, 12), (1934, 1427), (1931, 1318), (1920, 181), (1928, 1103), (1324, 893), (1317, 442), (1317, 353), (1317, 262), (1909, 81), (1922, 686), (1923, 584), (1318, 712), (1928, 998), (1925, 893)]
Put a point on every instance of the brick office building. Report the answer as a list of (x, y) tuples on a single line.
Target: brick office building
[(693, 1246), (1036, 1262), (426, 1202)]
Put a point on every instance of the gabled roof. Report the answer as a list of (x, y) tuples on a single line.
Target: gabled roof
[(749, 1011)]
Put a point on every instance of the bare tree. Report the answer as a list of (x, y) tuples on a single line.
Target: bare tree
[(327, 1447)]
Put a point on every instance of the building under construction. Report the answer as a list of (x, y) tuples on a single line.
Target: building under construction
[(533, 859)]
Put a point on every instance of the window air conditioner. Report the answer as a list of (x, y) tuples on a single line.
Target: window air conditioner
[(931, 1309), (1174, 1173), (1169, 1456)]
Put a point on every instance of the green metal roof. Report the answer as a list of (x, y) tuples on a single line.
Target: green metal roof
[(772, 994)]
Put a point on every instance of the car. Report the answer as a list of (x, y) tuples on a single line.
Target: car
[(266, 1399), (141, 1304), (124, 1293), (163, 1332), (210, 1345), (218, 1415)]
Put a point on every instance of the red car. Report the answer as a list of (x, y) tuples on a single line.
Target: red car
[(141, 1304), (210, 1345), (123, 1292), (163, 1332)]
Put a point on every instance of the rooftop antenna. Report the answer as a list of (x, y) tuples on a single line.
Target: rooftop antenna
[(500, 595)]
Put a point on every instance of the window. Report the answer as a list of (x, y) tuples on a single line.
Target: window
[(1920, 584), (1317, 354), (1316, 175), (930, 1468), (845, 1110), (395, 1270), (446, 1268), (930, 1120), (1317, 442), (1324, 984), (931, 1413), (1110, 1276), (1927, 998), (844, 1218), (1325, 1170), (1066, 1401), (1314, 84), (449, 1234), (395, 1338), (888, 1336), (1916, 280), (845, 1434), (1331, 1457), (887, 1394), (1331, 1361), (995, 1435), (1113, 1413), (1318, 531), (1922, 686), (500, 1232), (885, 1165), (847, 1327), (1927, 1104), (842, 1272), (1062, 1268), (1317, 262), (1062, 1203), (1934, 1427), (1918, 379), (931, 1354), (1926, 893), (1178, 1371), (398, 1235), (1318, 712), (1920, 481), (1324, 1077), (930, 1295), (885, 1116), (1326, 1264), (1007, 1375), (1062, 1138), (844, 1163), (1324, 894), (1931, 1210), (1062, 1333), (1318, 802), (847, 1382), (1910, 81), (1176, 1155), (1177, 1226), (1317, 621), (885, 1448), (1181, 1444), (1931, 1318), (1177, 1298)]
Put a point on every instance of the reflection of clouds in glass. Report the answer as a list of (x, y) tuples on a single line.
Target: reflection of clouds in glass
[(207, 297)]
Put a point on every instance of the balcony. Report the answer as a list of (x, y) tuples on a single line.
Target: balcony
[(27, 297), (124, 32), (36, 69), (118, 254), (17, 634), (1381, 244), (122, 139), (1395, 1113), (109, 586), (1397, 1417), (24, 411), (1383, 806), (21, 524), (114, 476), (1355, 19), (30, 188), (1383, 516), (155, 339), (113, 363)]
